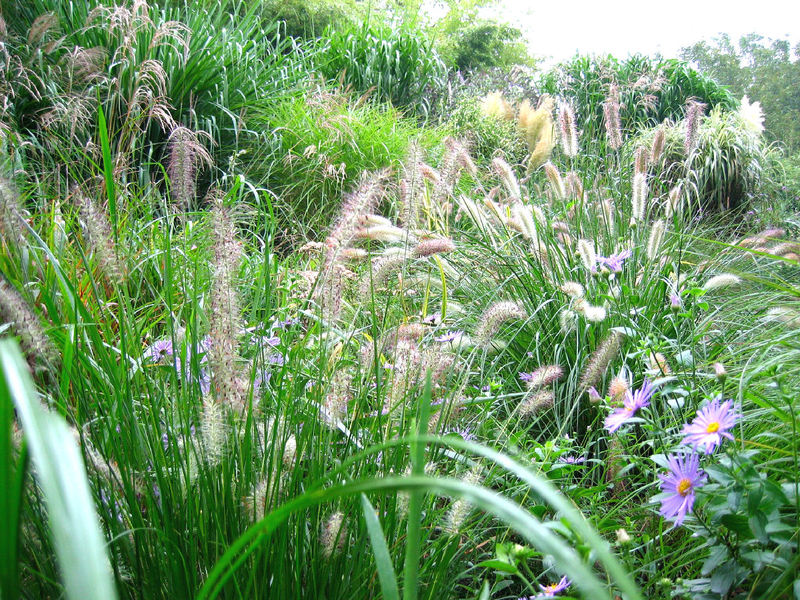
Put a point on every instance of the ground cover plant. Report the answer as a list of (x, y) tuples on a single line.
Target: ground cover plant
[(565, 370)]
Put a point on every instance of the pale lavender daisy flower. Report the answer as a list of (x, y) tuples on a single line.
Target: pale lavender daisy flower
[(159, 350), (614, 262), (712, 423), (680, 483), (449, 336), (630, 404), (550, 591)]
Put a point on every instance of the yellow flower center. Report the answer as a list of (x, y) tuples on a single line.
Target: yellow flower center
[(684, 486), (712, 427), (550, 588)]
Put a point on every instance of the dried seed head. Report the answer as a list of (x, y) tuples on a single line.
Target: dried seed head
[(572, 289), (785, 314), (98, 230), (36, 346), (506, 174), (658, 363), (213, 430), (567, 320), (674, 202), (611, 118), (618, 387), (641, 159), (555, 180), (593, 314), (229, 382), (657, 149)]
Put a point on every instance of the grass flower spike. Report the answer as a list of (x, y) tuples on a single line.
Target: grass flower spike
[(712, 423), (680, 483)]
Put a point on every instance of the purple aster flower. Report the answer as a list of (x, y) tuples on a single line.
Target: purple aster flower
[(433, 319), (526, 376), (680, 483), (276, 358), (712, 423), (630, 404), (614, 262), (449, 336), (159, 350), (571, 460), (550, 591)]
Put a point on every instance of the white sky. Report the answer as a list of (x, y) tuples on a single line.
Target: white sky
[(560, 28)]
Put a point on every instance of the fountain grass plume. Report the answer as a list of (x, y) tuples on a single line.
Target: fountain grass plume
[(225, 312), (568, 129), (506, 174), (36, 345), (98, 230), (611, 118), (185, 155), (494, 317), (639, 198), (691, 123), (654, 241), (600, 359), (555, 180), (12, 215)]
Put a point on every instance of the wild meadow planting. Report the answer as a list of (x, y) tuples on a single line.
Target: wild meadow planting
[(315, 317)]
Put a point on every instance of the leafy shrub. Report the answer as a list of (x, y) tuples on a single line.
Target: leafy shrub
[(397, 63), (150, 71), (488, 135), (723, 168), (647, 91), (308, 20), (316, 147)]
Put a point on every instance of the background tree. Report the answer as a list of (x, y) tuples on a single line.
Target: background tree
[(764, 69)]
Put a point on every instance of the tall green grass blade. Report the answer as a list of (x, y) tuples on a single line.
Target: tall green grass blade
[(383, 559), (529, 527), (108, 170), (74, 525), (411, 568), (12, 479)]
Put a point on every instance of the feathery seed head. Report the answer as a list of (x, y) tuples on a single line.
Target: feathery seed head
[(720, 281), (599, 361), (334, 533), (656, 237), (569, 130), (536, 401), (433, 245), (494, 317), (639, 197), (587, 255)]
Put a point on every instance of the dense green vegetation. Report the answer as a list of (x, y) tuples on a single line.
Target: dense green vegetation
[(292, 306)]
